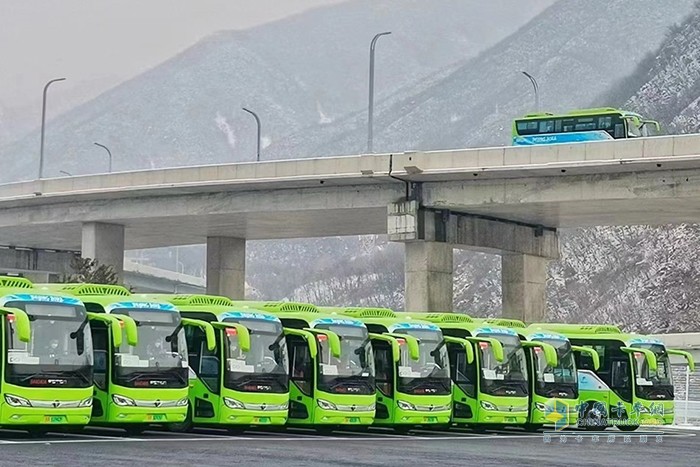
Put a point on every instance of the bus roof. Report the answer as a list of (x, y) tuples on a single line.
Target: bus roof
[(574, 113), (576, 329), (107, 296), (216, 305)]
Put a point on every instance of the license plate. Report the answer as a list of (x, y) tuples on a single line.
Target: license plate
[(430, 419), (159, 417), (352, 420), (54, 419), (262, 419)]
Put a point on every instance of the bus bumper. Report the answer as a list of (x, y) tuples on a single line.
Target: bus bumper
[(415, 417), (252, 417), (337, 417), (146, 415), (17, 416), (503, 418)]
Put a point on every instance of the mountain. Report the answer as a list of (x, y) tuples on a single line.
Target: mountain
[(576, 50), (305, 70)]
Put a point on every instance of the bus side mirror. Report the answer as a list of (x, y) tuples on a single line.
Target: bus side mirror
[(550, 353), (241, 331), (130, 329), (112, 322), (686, 355), (208, 332), (21, 320), (590, 352)]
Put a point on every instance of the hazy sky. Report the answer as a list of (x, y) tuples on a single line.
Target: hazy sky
[(98, 43)]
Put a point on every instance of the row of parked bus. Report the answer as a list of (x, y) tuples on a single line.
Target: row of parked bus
[(78, 354)]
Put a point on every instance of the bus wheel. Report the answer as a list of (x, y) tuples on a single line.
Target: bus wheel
[(593, 419), (134, 430), (532, 427), (324, 430), (627, 427), (37, 432), (184, 426), (402, 430)]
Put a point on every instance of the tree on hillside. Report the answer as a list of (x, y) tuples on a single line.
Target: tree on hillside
[(88, 270)]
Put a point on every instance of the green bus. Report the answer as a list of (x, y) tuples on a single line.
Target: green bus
[(413, 383), (144, 380), (633, 384), (492, 388), (554, 393), (244, 381), (331, 366), (585, 125), (46, 358)]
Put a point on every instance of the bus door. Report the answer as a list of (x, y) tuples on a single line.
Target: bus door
[(109, 332), (464, 376), (302, 349), (386, 355)]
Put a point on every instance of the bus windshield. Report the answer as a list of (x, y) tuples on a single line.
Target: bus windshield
[(653, 384), (558, 381), (353, 371), (430, 374), (506, 378), (52, 357), (264, 367), (160, 357)]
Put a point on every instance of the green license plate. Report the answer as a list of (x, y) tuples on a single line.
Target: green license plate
[(430, 419), (262, 419), (159, 417), (352, 420), (55, 419)]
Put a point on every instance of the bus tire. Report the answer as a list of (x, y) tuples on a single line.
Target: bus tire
[(184, 426), (533, 427), (402, 430), (627, 427), (134, 430)]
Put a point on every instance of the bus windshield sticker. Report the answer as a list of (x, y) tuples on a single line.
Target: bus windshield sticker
[(490, 330), (549, 377), (151, 306), (247, 315), (129, 360), (337, 321), (407, 372), (21, 358), (430, 327), (239, 366), (39, 298), (492, 375), (644, 382), (329, 370)]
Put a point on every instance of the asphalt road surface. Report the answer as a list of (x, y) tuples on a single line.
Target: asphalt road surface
[(93, 446)]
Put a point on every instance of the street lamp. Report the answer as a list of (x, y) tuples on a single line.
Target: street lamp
[(43, 124), (109, 153), (257, 122), (370, 110), (536, 87)]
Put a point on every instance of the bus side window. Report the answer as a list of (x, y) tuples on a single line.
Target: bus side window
[(193, 335), (100, 341), (301, 367), (209, 367), (462, 373), (383, 367)]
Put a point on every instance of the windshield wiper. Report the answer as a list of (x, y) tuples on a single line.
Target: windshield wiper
[(276, 344), (74, 334)]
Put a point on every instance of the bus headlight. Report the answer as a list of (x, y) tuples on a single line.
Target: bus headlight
[(16, 401), (123, 401), (233, 403), (86, 402), (284, 406), (182, 402), (372, 407), (540, 406), (488, 405), (403, 405), (325, 405)]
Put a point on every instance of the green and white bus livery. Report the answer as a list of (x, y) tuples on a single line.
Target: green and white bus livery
[(412, 369), (144, 380), (244, 380), (331, 366), (47, 358)]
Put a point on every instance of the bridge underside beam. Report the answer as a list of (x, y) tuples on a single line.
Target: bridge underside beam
[(429, 236)]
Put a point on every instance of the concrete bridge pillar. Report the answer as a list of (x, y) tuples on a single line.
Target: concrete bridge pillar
[(226, 267), (428, 276), (430, 235), (105, 243), (524, 287)]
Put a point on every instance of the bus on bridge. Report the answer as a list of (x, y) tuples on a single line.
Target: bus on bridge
[(586, 125)]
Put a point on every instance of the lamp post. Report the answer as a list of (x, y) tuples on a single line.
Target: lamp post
[(109, 153), (536, 87), (257, 122), (370, 110), (43, 124)]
